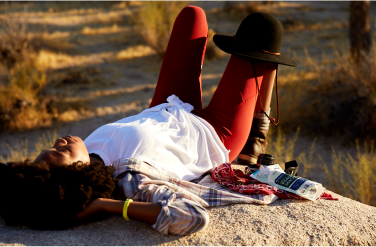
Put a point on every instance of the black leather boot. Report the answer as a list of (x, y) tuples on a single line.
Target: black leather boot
[(256, 142)]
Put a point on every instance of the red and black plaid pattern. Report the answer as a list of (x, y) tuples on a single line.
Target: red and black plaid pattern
[(183, 203)]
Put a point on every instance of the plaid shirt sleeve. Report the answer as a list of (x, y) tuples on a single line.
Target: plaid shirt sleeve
[(183, 203)]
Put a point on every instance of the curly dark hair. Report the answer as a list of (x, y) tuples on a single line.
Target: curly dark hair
[(45, 195)]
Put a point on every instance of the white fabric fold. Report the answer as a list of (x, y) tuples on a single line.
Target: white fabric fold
[(168, 136)]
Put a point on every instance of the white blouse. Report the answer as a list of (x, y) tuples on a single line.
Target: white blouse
[(167, 136)]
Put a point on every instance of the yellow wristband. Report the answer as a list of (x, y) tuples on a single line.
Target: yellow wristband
[(125, 209)]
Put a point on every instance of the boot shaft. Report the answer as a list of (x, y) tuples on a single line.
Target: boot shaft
[(256, 142)]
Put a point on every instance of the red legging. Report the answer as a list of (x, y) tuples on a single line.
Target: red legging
[(231, 109)]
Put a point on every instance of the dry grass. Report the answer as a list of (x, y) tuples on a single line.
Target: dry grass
[(20, 105), (23, 110), (16, 41), (283, 150), (24, 104), (104, 30), (20, 151), (334, 97), (52, 60), (47, 59), (61, 74), (280, 147), (21, 80), (339, 99), (354, 177), (153, 21), (135, 52)]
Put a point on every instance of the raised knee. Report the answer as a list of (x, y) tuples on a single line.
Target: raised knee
[(194, 12)]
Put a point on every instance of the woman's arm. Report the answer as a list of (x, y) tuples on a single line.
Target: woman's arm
[(144, 211)]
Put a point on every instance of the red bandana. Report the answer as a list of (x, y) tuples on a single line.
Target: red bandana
[(237, 181)]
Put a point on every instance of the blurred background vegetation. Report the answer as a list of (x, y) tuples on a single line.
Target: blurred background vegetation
[(81, 62)]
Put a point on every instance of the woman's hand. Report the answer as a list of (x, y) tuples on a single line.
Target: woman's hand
[(92, 209)]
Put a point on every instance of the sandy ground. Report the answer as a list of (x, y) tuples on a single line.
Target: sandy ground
[(124, 84)]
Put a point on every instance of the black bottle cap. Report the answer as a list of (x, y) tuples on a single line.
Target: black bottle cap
[(291, 168), (265, 159)]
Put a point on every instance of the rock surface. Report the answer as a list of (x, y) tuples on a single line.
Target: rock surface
[(284, 222)]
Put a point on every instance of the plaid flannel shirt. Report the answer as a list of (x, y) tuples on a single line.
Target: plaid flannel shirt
[(183, 203)]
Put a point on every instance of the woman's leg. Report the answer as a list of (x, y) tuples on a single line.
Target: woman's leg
[(181, 68), (257, 139), (266, 90), (231, 109)]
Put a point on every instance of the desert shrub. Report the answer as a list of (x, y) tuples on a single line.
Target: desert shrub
[(335, 98), (21, 107), (354, 177), (21, 81), (16, 41), (345, 96), (153, 21), (24, 104)]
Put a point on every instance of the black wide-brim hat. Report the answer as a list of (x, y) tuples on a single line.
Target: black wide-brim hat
[(259, 36)]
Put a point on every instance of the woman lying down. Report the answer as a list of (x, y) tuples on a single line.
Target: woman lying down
[(140, 166)]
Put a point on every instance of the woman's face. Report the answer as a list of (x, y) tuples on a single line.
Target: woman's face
[(66, 150)]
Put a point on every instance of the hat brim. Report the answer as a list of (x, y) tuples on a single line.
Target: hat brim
[(228, 44)]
